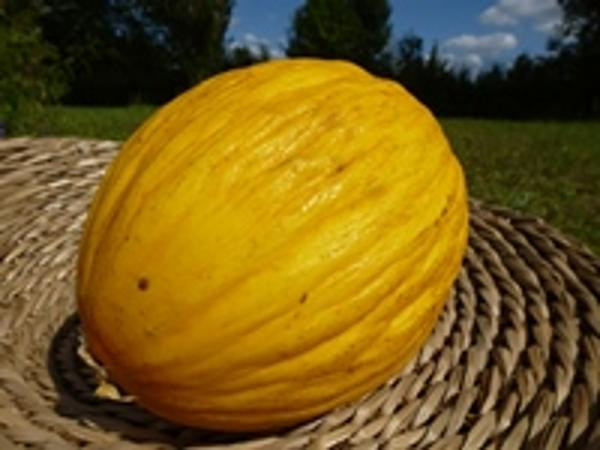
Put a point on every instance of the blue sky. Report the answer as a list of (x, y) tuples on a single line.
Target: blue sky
[(469, 32)]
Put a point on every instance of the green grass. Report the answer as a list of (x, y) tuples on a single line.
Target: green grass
[(103, 123), (550, 169)]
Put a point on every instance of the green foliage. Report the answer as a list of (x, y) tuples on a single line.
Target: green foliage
[(431, 79), (193, 32), (127, 50), (29, 72), (582, 20), (532, 88), (355, 30), (578, 49), (244, 56)]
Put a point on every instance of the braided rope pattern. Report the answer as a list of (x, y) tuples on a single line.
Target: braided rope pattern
[(514, 361)]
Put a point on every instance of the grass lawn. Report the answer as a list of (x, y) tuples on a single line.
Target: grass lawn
[(102, 123), (550, 169)]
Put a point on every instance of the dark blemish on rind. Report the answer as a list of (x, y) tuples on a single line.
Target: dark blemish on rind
[(340, 168), (303, 297), (443, 214), (143, 284), (446, 206)]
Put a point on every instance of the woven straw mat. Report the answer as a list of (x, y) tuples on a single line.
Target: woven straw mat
[(514, 361)]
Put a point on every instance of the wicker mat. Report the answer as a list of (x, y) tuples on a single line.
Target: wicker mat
[(514, 361)]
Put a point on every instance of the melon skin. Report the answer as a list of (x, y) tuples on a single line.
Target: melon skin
[(274, 243)]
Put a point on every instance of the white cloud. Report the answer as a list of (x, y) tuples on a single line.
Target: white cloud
[(474, 52), (549, 26), (255, 45), (510, 12), (528, 8), (496, 16), (487, 44), (471, 61)]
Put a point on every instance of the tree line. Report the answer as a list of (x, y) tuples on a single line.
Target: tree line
[(563, 84), (121, 51)]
